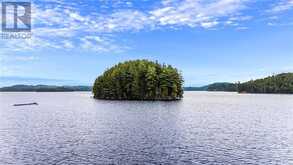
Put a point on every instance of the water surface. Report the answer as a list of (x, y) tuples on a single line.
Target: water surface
[(203, 128)]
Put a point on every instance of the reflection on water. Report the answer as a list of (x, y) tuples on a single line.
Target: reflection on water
[(204, 128)]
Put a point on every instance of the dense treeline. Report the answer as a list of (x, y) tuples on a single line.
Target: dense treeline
[(139, 80), (282, 83)]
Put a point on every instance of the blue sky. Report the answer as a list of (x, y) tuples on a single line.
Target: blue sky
[(208, 40)]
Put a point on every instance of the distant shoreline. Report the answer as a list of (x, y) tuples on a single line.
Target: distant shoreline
[(276, 84), (45, 88)]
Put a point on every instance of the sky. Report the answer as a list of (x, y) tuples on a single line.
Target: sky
[(207, 40)]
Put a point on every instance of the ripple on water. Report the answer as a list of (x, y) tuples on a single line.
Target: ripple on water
[(203, 128)]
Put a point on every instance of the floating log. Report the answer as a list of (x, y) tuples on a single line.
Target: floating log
[(26, 104)]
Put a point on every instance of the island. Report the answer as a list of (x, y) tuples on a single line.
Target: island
[(280, 84), (139, 80)]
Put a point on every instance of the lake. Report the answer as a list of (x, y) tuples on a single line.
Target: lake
[(203, 128)]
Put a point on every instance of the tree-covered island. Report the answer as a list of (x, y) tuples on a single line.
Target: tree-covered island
[(139, 80)]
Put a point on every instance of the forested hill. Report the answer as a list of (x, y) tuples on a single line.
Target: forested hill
[(221, 86), (281, 83), (202, 88), (226, 87), (44, 88)]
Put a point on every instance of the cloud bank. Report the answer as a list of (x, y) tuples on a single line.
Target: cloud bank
[(92, 25)]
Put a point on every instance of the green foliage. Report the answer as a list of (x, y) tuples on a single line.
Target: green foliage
[(139, 80), (282, 83)]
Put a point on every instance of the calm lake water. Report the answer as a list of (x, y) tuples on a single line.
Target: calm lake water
[(203, 128)]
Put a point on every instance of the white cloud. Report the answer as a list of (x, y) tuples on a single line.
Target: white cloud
[(196, 12), (58, 27), (98, 44), (282, 6), (68, 44), (120, 21), (65, 25), (209, 24)]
